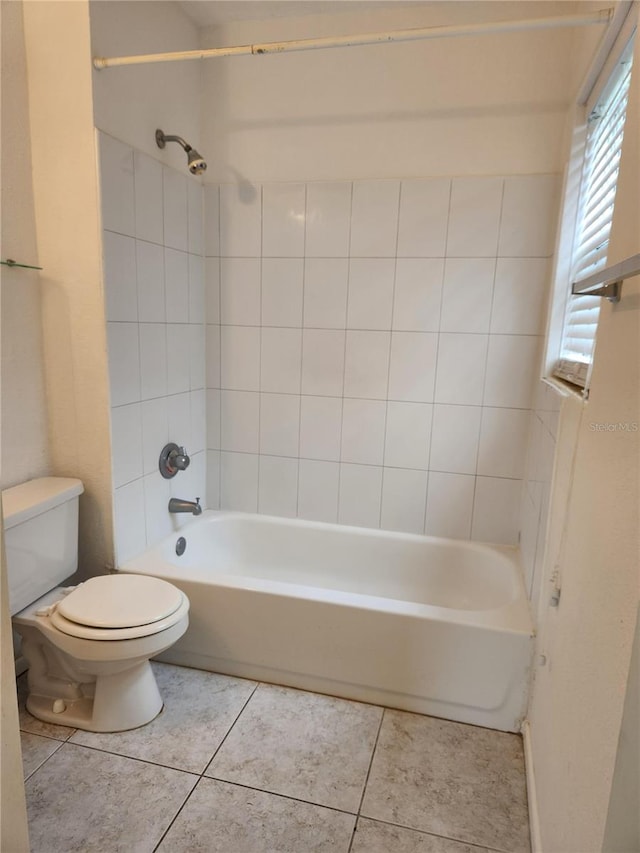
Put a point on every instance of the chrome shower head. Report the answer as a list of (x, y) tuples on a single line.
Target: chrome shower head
[(195, 161)]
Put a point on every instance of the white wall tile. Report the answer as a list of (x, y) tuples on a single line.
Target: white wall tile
[(328, 219), (148, 190), (408, 435), (129, 521), (116, 186), (374, 219), (240, 291), (120, 291), (239, 421), (211, 223), (281, 360), (519, 299), (418, 294), (320, 427), (213, 419), (278, 486), (323, 362), (496, 510), (461, 368), (126, 444), (212, 351), (153, 361), (175, 209), (179, 420), (155, 431), (318, 484), (157, 493), (363, 425), (367, 364), (176, 286), (150, 274), (198, 401), (467, 294), (279, 424), (239, 481), (413, 366), (424, 211), (213, 479), (195, 229), (212, 289), (240, 220), (124, 363), (454, 440), (282, 288), (197, 365), (449, 505), (360, 495), (240, 358), (503, 442), (283, 211), (325, 292), (474, 217), (197, 309), (512, 365), (404, 495), (178, 358), (370, 293), (529, 216)]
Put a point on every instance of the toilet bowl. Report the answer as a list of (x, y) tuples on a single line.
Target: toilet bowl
[(87, 647), (88, 650)]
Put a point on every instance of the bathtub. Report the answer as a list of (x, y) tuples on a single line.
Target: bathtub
[(423, 624)]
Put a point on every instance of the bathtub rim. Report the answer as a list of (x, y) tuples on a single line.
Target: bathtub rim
[(514, 617)]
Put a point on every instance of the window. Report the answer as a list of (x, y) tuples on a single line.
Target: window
[(598, 182)]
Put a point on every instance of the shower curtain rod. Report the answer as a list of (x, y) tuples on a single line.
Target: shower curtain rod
[(602, 16)]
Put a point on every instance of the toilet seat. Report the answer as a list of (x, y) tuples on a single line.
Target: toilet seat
[(119, 607)]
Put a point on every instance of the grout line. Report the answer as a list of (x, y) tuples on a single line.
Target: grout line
[(304, 275), (435, 370), (42, 763), (176, 815), (344, 356), (366, 781)]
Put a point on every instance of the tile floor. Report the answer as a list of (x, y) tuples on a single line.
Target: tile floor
[(235, 766)]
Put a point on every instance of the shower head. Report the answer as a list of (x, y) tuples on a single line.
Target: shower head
[(195, 161)]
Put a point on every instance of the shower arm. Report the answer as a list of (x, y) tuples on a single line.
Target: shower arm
[(163, 138)]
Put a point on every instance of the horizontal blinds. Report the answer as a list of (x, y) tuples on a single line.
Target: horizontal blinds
[(597, 197)]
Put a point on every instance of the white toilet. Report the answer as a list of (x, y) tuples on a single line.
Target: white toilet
[(88, 647)]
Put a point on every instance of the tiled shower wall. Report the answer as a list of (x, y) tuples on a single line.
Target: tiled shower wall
[(155, 306), (372, 349)]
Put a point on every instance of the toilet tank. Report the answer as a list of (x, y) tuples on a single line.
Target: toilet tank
[(41, 536)]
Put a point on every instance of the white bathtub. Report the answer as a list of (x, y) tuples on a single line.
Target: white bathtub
[(423, 624)]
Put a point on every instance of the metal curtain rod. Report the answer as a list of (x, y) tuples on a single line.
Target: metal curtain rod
[(608, 282), (603, 16)]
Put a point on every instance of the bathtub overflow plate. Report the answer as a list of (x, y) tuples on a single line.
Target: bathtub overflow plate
[(181, 546)]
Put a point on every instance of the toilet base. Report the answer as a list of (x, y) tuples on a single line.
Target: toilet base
[(121, 701)]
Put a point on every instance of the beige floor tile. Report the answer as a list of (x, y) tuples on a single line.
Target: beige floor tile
[(199, 709), (224, 818), (302, 745), (86, 801), (35, 751), (374, 837), (449, 779)]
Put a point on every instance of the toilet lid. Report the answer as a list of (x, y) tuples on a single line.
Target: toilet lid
[(120, 601)]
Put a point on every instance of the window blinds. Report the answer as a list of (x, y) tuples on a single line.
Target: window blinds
[(595, 214)]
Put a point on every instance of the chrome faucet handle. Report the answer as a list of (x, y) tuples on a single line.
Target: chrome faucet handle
[(173, 459)]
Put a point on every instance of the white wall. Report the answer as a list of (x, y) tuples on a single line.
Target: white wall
[(577, 704), (466, 106), (131, 102), (24, 452), (67, 221)]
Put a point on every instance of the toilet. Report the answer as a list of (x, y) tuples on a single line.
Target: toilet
[(87, 647)]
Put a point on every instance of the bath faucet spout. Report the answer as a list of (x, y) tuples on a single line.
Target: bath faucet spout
[(179, 505)]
